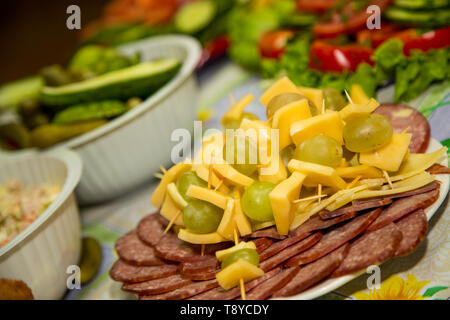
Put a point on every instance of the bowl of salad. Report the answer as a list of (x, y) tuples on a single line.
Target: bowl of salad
[(39, 222), (111, 105)]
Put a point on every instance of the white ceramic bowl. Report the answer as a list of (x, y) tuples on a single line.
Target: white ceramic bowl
[(40, 254)]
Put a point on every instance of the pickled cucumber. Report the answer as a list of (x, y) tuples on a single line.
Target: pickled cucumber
[(91, 257), (90, 111), (50, 134), (15, 135)]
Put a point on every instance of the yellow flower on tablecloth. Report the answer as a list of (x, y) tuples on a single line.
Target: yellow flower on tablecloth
[(395, 288)]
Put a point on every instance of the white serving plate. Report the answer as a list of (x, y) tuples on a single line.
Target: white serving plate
[(334, 283)]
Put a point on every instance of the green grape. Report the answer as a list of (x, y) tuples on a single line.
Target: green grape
[(249, 255), (320, 149), (256, 203), (243, 146), (333, 99), (367, 133), (283, 99), (235, 124), (201, 216), (187, 179)]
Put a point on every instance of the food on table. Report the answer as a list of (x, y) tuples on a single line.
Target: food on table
[(20, 205), (15, 290), (91, 257), (224, 232), (97, 85)]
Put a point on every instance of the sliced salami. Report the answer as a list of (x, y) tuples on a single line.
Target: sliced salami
[(173, 249), (131, 249), (355, 207), (281, 245), (402, 207), (403, 116), (157, 286), (221, 294), (314, 272), (371, 248), (124, 272), (262, 243), (202, 276), (335, 238), (413, 228), (151, 229), (438, 169), (289, 252), (199, 267), (269, 287), (270, 232), (183, 292), (317, 223)]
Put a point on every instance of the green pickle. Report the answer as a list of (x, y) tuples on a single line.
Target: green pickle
[(185, 180), (320, 149), (333, 99), (201, 216), (243, 146), (249, 255), (90, 111), (91, 257), (256, 203), (367, 133), (15, 133), (235, 124), (50, 134)]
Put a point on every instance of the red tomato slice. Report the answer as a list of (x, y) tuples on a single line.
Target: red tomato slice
[(317, 6), (213, 50), (354, 20), (273, 43), (327, 57), (431, 40), (377, 37)]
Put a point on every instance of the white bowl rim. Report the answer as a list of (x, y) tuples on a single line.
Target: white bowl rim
[(74, 166)]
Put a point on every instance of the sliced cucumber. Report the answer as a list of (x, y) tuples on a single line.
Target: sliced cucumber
[(194, 16), (90, 111), (11, 94), (136, 81), (421, 4), (422, 18)]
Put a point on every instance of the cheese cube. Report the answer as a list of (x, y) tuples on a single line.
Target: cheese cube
[(227, 224), (315, 95), (216, 198), (204, 238), (352, 111), (317, 174), (358, 95), (284, 85), (235, 112), (273, 172), (222, 254), (361, 170), (170, 210), (243, 225), (241, 269), (233, 176)]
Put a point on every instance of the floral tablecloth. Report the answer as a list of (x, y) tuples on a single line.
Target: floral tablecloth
[(424, 274)]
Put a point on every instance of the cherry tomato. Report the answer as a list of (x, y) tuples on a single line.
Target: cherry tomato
[(388, 30), (328, 57), (435, 39), (273, 43), (214, 50), (317, 6), (347, 20)]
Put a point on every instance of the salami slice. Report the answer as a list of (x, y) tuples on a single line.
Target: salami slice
[(281, 245), (316, 223), (289, 252), (403, 116), (355, 207), (151, 229), (371, 248), (402, 207), (438, 169), (183, 292), (270, 232), (413, 228), (335, 238), (173, 249), (269, 287), (131, 249), (124, 272), (314, 272), (157, 286), (202, 276), (205, 266), (221, 294), (262, 243)]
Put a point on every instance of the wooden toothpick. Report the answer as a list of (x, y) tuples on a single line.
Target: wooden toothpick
[(241, 283), (159, 175), (388, 179), (406, 129), (351, 184), (309, 198), (163, 170), (323, 106), (172, 221), (210, 171), (348, 97), (203, 249), (319, 191)]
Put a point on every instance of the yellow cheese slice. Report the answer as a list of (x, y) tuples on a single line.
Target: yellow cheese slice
[(390, 156), (241, 269), (281, 198), (315, 95), (262, 225), (227, 224), (231, 175), (196, 238), (358, 95), (235, 112), (274, 172), (286, 116), (417, 162), (243, 225), (352, 111), (329, 124), (170, 176), (222, 254), (284, 85), (170, 210), (361, 170), (202, 172), (216, 198), (317, 174), (176, 196)]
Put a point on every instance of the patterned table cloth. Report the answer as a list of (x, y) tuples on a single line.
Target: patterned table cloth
[(424, 274)]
